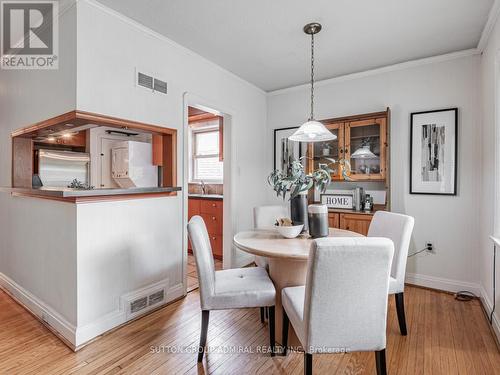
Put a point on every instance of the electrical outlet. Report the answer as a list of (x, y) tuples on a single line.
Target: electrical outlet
[(429, 247)]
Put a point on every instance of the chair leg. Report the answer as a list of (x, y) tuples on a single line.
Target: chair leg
[(266, 312), (272, 334), (262, 314), (400, 307), (380, 361), (308, 363), (284, 332), (205, 314)]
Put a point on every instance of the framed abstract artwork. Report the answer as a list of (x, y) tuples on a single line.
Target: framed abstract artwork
[(433, 152), (285, 151)]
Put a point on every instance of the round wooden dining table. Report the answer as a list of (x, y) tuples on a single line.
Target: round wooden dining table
[(287, 262)]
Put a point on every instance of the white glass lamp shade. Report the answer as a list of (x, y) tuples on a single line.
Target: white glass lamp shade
[(312, 131), (363, 153)]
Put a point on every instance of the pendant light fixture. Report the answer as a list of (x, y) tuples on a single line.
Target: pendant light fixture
[(363, 152), (312, 130)]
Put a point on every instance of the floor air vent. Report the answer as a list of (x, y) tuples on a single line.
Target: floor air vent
[(140, 301), (138, 305), (156, 297)]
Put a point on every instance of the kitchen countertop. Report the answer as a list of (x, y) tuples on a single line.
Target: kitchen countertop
[(206, 196), (59, 192)]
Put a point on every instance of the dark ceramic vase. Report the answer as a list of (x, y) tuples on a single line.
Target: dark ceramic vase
[(298, 211)]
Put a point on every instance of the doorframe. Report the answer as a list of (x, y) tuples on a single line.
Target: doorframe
[(193, 100), (496, 189)]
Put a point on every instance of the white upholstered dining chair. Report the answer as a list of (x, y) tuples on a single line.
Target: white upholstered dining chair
[(227, 289), (343, 306), (398, 228)]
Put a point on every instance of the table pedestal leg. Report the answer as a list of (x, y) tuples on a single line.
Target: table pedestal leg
[(285, 273)]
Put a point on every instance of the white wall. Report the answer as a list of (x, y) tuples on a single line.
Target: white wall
[(450, 223), (123, 246), (110, 47), (490, 187), (38, 254), (29, 96), (36, 235)]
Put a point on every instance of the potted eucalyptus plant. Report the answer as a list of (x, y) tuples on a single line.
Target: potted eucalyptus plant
[(295, 182)]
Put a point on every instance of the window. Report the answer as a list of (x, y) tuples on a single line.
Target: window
[(206, 165)]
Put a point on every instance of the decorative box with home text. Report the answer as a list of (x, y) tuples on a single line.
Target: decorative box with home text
[(342, 200)]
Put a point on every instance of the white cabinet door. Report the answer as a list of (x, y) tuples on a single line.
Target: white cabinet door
[(106, 178), (119, 163)]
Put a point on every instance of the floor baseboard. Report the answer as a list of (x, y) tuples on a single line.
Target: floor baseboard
[(440, 283)]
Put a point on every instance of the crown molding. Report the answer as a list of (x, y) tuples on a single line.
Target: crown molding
[(488, 27), (385, 69), (146, 30)]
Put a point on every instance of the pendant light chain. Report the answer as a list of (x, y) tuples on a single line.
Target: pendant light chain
[(312, 130), (312, 78)]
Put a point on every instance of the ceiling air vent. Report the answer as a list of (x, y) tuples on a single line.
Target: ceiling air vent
[(160, 86), (144, 80), (149, 82)]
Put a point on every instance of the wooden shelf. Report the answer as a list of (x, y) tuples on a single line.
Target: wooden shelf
[(365, 136)]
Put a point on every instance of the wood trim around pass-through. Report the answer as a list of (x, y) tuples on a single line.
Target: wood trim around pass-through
[(97, 198), (92, 118)]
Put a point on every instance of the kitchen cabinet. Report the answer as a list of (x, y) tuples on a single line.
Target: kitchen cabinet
[(211, 210), (356, 222), (367, 132), (75, 140), (193, 207), (333, 220)]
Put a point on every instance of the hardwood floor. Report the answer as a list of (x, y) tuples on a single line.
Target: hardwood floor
[(445, 337)]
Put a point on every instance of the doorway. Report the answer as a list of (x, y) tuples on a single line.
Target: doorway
[(205, 175)]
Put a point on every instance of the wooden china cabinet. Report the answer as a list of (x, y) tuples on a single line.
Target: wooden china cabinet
[(368, 134)]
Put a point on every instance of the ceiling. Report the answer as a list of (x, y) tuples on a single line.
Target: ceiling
[(262, 41)]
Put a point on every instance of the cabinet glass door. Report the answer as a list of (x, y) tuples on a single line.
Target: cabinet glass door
[(365, 148), (324, 152)]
